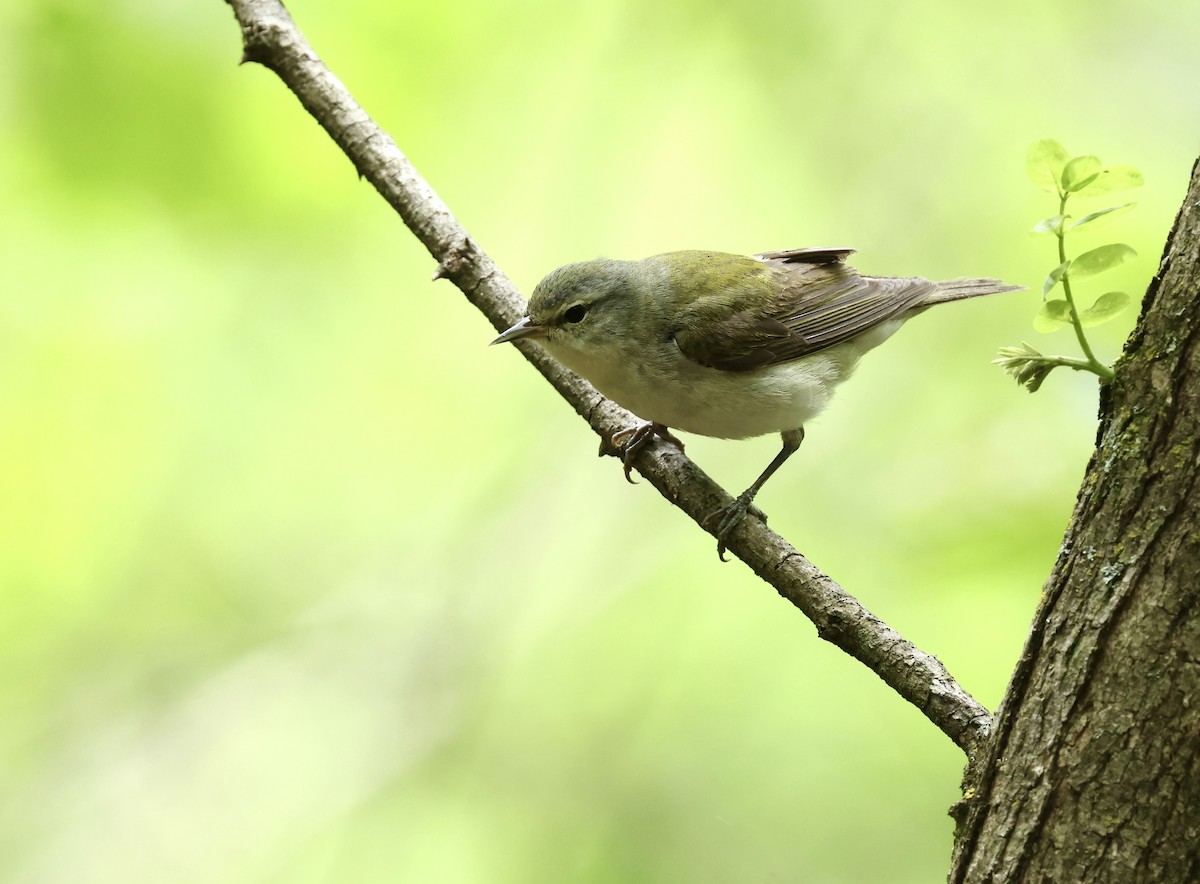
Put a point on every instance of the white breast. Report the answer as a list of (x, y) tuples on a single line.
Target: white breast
[(663, 386)]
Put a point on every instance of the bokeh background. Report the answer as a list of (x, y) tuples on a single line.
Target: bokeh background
[(302, 582)]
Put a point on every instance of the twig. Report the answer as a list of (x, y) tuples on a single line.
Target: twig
[(271, 38)]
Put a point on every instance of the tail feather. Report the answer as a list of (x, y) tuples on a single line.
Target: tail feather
[(958, 289)]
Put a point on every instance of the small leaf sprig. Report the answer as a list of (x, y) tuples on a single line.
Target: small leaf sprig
[(1052, 169)]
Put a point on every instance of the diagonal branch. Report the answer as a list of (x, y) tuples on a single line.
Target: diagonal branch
[(271, 38)]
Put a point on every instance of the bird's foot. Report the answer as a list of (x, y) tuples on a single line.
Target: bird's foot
[(730, 516), (631, 440)]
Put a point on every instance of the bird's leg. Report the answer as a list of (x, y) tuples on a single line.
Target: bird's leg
[(732, 513), (632, 440)]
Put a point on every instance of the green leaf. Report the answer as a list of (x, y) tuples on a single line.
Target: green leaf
[(1026, 364), (1044, 162), (1053, 224), (1053, 315), (1100, 259), (1108, 214), (1106, 307), (1112, 179), (1079, 173), (1055, 276)]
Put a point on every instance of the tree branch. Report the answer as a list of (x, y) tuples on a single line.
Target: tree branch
[(271, 38)]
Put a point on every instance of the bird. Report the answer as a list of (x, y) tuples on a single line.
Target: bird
[(724, 345)]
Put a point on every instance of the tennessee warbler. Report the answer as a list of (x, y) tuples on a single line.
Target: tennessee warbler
[(724, 345)]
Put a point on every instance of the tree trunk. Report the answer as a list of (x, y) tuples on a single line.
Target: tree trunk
[(1092, 772)]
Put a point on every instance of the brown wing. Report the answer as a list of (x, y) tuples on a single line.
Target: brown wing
[(806, 306), (807, 256)]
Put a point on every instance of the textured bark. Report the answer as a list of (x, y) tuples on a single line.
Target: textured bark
[(1093, 770)]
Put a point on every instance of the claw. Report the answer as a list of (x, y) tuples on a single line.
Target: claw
[(730, 516), (732, 513), (631, 440)]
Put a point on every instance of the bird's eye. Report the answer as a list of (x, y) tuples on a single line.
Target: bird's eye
[(575, 313)]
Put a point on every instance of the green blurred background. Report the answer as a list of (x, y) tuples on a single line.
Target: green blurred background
[(302, 582)]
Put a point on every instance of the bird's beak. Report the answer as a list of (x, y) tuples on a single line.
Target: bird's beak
[(526, 328)]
